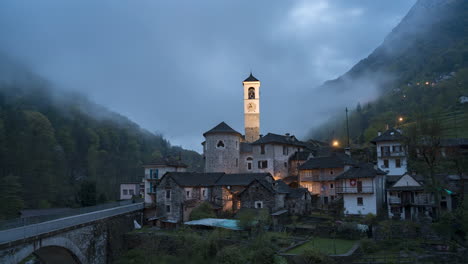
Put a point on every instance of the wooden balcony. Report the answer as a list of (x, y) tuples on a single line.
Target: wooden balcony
[(387, 154), (363, 189)]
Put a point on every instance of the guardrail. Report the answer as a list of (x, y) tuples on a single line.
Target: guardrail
[(24, 221), (24, 232)]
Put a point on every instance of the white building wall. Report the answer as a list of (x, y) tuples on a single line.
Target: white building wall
[(351, 206), (127, 190), (392, 169), (151, 176)]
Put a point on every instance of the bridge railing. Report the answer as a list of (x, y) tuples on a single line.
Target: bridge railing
[(24, 221), (84, 217)]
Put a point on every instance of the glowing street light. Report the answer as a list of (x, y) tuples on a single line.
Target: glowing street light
[(335, 143), (400, 119)]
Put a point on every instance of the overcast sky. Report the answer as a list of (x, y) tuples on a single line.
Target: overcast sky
[(176, 67)]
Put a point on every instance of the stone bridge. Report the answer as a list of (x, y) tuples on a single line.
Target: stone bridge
[(90, 238)]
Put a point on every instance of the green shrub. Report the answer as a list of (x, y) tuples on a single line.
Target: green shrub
[(369, 245), (204, 210), (230, 255), (312, 256)]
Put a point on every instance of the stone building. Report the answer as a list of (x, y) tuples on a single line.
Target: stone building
[(178, 193), (226, 150), (319, 174), (276, 197)]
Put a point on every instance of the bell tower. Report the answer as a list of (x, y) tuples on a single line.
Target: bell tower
[(251, 108)]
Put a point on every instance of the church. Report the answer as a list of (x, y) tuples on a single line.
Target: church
[(227, 150)]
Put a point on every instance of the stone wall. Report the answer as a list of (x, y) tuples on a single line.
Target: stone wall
[(257, 192), (222, 159)]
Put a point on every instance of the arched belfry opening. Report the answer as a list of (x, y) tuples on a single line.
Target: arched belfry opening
[(251, 93)]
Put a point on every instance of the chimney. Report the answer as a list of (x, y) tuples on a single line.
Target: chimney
[(379, 133), (347, 151)]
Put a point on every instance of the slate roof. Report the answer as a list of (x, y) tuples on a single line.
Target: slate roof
[(297, 192), (336, 160), (279, 139), (193, 179), (300, 155), (406, 188), (167, 161), (251, 78), (240, 179), (364, 170), (281, 187), (389, 135), (222, 128)]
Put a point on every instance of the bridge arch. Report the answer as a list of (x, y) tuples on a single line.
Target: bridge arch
[(54, 250)]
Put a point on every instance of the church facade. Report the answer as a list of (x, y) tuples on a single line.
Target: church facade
[(226, 150)]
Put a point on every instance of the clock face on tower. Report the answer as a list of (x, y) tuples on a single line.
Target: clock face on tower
[(251, 107)]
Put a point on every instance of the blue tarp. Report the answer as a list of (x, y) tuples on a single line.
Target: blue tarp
[(214, 222)]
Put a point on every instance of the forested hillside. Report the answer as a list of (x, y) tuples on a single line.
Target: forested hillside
[(421, 70), (55, 145)]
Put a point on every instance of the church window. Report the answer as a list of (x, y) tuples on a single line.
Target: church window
[(262, 149), (251, 93), (220, 144)]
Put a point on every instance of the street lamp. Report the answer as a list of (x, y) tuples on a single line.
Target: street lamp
[(335, 143)]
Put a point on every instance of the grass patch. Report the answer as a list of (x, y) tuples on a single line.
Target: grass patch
[(325, 245)]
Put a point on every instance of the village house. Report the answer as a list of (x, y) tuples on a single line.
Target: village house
[(407, 199), (178, 193), (391, 152), (277, 197), (319, 174), (153, 173), (363, 189), (130, 190)]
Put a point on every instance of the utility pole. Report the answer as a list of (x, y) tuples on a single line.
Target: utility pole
[(347, 125)]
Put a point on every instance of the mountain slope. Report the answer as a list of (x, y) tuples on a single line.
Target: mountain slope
[(53, 142), (430, 45)]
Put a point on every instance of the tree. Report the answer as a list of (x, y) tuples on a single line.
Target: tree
[(11, 201), (204, 210), (424, 146), (87, 193)]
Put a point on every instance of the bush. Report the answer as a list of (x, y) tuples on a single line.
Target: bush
[(246, 219), (369, 246), (204, 210), (230, 255), (312, 256)]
